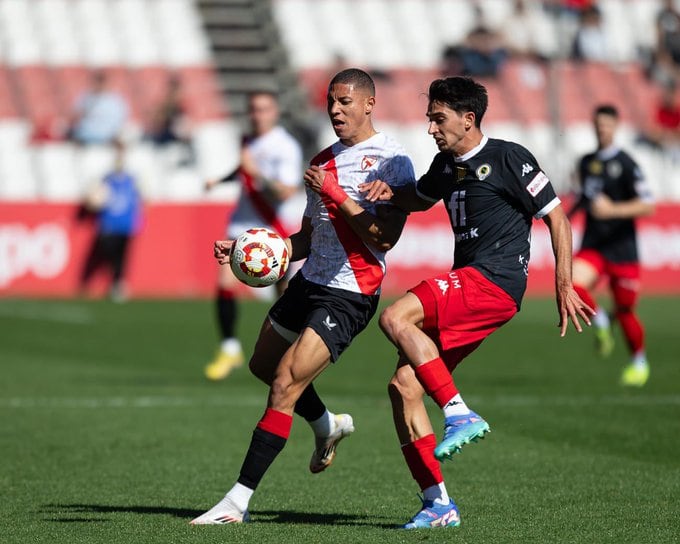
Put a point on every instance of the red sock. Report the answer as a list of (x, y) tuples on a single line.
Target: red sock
[(225, 293), (437, 381), (585, 296), (276, 422), (421, 462), (632, 330)]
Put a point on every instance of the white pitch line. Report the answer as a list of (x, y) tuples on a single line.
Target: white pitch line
[(60, 313), (259, 400)]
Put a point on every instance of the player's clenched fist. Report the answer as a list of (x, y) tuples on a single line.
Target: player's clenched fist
[(222, 250)]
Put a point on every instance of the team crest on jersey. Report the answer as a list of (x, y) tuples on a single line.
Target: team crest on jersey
[(614, 169), (368, 162), (483, 172), (595, 167)]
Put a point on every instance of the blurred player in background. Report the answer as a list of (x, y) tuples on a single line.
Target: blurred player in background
[(117, 200), (270, 172), (491, 189), (335, 294), (613, 194)]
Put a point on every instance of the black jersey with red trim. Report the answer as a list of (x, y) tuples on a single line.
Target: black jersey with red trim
[(491, 194), (614, 173)]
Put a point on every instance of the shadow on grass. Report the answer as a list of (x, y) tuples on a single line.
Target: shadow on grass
[(65, 513)]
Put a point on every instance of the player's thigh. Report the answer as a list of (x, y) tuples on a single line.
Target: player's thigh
[(407, 309), (304, 360), (624, 282), (269, 350), (584, 273)]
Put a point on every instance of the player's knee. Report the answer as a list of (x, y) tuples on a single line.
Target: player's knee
[(390, 322), (623, 309), (282, 388)]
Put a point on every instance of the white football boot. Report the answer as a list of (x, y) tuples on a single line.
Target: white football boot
[(224, 511), (323, 455)]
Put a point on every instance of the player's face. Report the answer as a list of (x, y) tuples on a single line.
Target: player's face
[(448, 128), (605, 128), (264, 113), (349, 110)]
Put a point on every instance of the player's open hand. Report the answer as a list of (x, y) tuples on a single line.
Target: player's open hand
[(222, 250), (571, 307), (376, 190)]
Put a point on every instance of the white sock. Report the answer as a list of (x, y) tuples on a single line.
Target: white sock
[(436, 493), (324, 425), (455, 407), (640, 359), (601, 319), (240, 496), (231, 346)]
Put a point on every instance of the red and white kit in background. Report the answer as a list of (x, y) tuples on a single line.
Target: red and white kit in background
[(339, 258), (278, 156)]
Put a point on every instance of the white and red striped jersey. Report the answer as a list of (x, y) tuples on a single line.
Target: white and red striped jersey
[(338, 257)]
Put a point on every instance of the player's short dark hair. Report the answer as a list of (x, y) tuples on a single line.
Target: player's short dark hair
[(461, 94), (607, 109), (356, 77), (259, 92)]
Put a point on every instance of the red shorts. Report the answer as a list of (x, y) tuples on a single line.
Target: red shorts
[(624, 278), (461, 309)]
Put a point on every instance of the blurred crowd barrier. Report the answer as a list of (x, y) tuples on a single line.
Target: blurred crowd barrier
[(43, 247)]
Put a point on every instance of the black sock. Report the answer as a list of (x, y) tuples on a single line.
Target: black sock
[(226, 315), (309, 405), (264, 447)]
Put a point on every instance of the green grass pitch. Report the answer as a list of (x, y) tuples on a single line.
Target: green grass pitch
[(110, 434)]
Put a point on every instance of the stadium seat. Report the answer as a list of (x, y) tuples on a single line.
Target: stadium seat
[(57, 169)]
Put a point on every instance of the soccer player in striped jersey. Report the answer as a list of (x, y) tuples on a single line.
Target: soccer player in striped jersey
[(343, 238), (492, 189)]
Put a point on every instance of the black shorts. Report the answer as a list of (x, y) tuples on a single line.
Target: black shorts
[(336, 315)]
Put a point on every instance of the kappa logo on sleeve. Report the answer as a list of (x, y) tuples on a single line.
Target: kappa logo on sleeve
[(536, 185)]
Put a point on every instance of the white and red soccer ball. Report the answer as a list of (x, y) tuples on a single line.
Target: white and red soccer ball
[(259, 257)]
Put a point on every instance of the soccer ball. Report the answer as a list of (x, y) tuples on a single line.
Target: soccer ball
[(259, 257)]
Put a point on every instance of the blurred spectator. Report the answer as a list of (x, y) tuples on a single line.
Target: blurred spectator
[(117, 201), (664, 63), (529, 33), (664, 132), (481, 55), (99, 114), (590, 41), (169, 123)]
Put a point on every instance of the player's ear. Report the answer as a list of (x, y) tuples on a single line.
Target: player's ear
[(469, 120), (368, 105)]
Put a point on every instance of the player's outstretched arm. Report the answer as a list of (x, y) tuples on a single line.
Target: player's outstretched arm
[(404, 197), (569, 304)]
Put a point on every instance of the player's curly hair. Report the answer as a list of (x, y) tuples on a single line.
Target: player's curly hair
[(461, 94), (356, 77)]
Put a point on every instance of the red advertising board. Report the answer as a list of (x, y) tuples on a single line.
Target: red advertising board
[(43, 248)]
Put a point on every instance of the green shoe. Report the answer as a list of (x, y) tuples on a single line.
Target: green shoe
[(604, 341), (635, 376)]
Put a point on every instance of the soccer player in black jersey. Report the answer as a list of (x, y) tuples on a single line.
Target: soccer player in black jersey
[(613, 194), (491, 189)]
